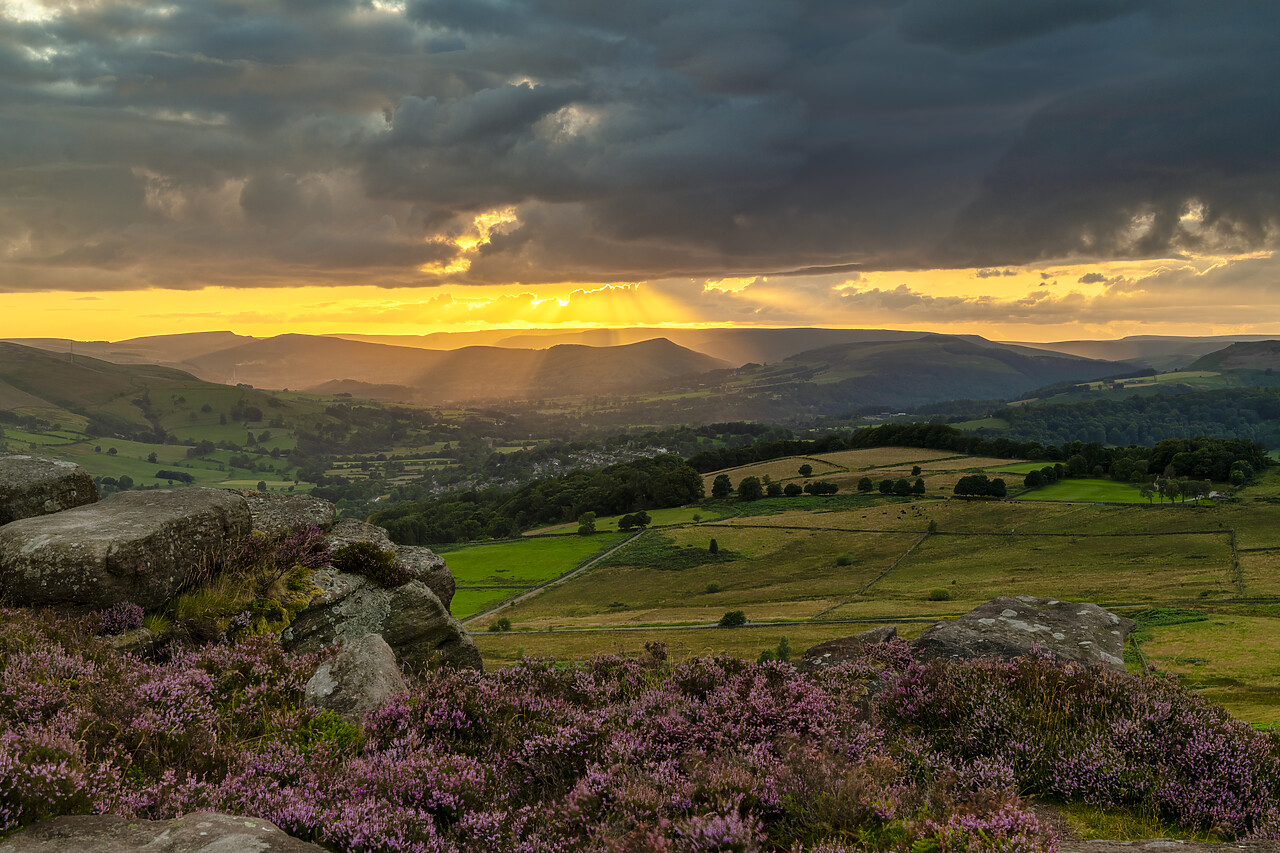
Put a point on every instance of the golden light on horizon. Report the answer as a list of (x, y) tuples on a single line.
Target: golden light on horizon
[(1089, 300)]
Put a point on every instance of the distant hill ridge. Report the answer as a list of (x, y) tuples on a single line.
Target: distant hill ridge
[(1246, 355)]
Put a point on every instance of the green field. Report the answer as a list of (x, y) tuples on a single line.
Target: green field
[(814, 569), (1104, 491)]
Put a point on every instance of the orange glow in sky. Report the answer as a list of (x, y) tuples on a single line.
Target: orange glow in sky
[(1043, 303)]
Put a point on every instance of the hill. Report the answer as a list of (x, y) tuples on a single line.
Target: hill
[(1245, 355), (170, 350), (901, 374), (1156, 351), (469, 373)]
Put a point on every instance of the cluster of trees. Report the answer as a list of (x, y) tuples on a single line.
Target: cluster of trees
[(755, 488), (662, 481), (901, 487), (981, 486), (1252, 414)]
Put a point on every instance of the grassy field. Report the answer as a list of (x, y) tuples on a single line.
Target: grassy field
[(818, 568), (1105, 491)]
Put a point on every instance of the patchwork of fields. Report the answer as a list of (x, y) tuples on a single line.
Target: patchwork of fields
[(815, 568)]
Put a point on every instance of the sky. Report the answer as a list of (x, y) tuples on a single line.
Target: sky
[(1040, 170)]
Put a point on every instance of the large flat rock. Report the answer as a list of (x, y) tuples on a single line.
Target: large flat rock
[(277, 513), (202, 832), (139, 546), (1007, 628), (37, 485)]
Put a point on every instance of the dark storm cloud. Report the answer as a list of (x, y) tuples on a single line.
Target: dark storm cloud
[(211, 141)]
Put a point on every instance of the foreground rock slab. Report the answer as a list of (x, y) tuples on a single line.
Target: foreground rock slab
[(1007, 628), (411, 618), (141, 546), (842, 650), (203, 832), (363, 675), (37, 485), (276, 513)]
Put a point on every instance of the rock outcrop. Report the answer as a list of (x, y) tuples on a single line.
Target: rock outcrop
[(842, 650), (36, 485), (362, 676), (411, 618), (202, 832), (140, 546), (424, 564), (276, 513), (1012, 627)]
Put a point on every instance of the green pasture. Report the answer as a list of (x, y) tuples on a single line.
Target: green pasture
[(523, 562), (1021, 468), (1104, 491), (1230, 658)]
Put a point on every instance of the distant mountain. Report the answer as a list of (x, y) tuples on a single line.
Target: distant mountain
[(1161, 352), (736, 346), (904, 374), (170, 350), (1250, 355), (433, 376)]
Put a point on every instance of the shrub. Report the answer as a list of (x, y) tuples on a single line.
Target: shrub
[(714, 547), (118, 618), (865, 484), (733, 619), (499, 625), (844, 560), (939, 594), (378, 565), (791, 490), (713, 588)]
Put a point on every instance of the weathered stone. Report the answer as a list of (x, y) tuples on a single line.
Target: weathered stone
[(363, 675), (36, 485), (1010, 627), (430, 568), (141, 546), (410, 617), (139, 641), (202, 832), (844, 649), (276, 513), (350, 530), (424, 564)]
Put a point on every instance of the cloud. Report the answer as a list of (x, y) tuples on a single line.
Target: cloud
[(1092, 278), (279, 142)]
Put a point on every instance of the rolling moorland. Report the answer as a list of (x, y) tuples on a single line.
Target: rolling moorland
[(757, 573)]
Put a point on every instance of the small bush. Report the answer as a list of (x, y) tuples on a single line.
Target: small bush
[(366, 558), (713, 587), (939, 594), (118, 618), (844, 560), (733, 619), (499, 625)]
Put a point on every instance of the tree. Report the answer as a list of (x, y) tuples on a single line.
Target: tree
[(111, 451), (586, 524), (865, 484), (714, 547), (151, 457), (773, 490), (784, 650), (886, 487), (917, 488), (721, 486), (1033, 480), (806, 469), (821, 487), (915, 471), (262, 485), (627, 522), (902, 487), (125, 482), (642, 519), (733, 619), (792, 489), (750, 489), (978, 485)]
